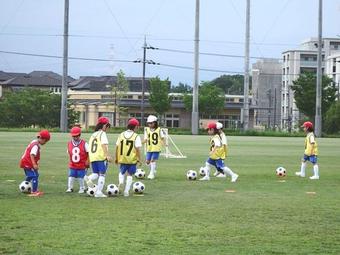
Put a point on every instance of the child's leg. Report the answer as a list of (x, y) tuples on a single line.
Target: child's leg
[(35, 181), (29, 174), (101, 182), (80, 176), (128, 185), (71, 177), (316, 169)]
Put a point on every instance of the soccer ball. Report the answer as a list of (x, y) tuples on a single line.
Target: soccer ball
[(202, 171), (191, 175), (91, 191), (140, 173), (281, 171), (25, 187), (112, 190), (138, 187)]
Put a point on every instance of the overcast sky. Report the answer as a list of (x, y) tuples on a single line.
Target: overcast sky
[(115, 29)]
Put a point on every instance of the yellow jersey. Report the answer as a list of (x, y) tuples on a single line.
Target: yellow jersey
[(96, 152), (224, 144), (126, 149), (311, 147), (154, 137), (217, 147)]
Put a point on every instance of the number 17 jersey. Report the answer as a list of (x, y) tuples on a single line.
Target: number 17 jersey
[(126, 144)]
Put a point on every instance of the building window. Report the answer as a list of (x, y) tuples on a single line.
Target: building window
[(172, 120)]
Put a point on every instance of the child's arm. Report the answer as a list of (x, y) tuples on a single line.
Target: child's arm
[(34, 163), (116, 155), (106, 152), (139, 162)]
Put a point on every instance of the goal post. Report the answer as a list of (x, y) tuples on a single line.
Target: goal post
[(169, 149)]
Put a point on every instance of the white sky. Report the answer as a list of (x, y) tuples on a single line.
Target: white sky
[(36, 26)]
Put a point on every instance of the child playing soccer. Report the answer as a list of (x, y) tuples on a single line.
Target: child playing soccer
[(154, 138), (30, 161), (128, 154), (219, 127), (311, 152), (99, 156), (216, 155), (78, 150)]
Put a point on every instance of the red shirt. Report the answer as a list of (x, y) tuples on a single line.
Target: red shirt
[(78, 154), (26, 161)]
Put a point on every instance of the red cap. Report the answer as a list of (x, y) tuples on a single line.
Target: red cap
[(44, 134), (211, 125), (75, 131), (133, 122), (307, 124), (103, 120)]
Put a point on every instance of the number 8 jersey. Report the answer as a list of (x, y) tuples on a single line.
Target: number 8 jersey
[(78, 152)]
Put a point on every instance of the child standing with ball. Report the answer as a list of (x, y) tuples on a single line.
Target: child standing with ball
[(311, 152), (128, 147), (78, 150), (30, 161), (216, 155), (99, 156)]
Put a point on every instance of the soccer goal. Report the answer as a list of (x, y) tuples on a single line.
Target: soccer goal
[(170, 149)]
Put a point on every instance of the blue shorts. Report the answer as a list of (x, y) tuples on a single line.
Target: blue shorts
[(99, 167), (152, 155), (218, 163), (77, 173), (31, 172), (312, 158), (130, 168)]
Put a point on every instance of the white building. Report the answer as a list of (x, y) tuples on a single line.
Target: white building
[(300, 60)]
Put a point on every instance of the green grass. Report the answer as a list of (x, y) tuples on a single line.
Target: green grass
[(176, 216)]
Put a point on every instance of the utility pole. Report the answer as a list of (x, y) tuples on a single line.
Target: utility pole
[(194, 114), (318, 117), (245, 116), (275, 108), (63, 110), (143, 81)]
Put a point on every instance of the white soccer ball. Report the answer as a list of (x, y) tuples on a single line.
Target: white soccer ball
[(112, 190), (140, 174), (91, 191), (191, 175), (281, 171), (202, 171), (25, 187), (138, 187)]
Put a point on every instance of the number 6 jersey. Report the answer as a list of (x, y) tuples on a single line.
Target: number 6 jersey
[(78, 151)]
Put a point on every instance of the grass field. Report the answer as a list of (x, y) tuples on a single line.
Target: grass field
[(177, 216)]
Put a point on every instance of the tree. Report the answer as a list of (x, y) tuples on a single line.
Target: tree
[(33, 107), (210, 99), (332, 119), (230, 84), (120, 90), (181, 88), (159, 98), (305, 93)]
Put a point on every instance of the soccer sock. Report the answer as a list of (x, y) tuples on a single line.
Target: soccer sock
[(207, 169), (228, 171), (81, 183), (70, 182), (316, 170), (101, 182), (303, 168), (121, 178), (153, 167), (35, 184), (128, 183)]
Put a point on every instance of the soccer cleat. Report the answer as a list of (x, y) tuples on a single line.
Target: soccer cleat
[(299, 174), (216, 173), (88, 181), (234, 178), (36, 194), (69, 190), (205, 178), (314, 177), (220, 175), (151, 177), (100, 194), (81, 191)]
